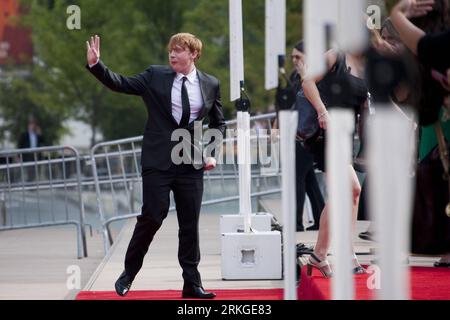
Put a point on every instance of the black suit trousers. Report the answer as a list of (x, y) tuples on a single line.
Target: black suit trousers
[(186, 183)]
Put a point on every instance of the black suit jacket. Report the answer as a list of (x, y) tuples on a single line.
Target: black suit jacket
[(154, 85), (24, 143)]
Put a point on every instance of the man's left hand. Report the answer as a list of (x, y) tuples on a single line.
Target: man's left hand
[(209, 164)]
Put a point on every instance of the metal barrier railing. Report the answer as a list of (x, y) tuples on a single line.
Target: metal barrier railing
[(41, 187), (117, 176)]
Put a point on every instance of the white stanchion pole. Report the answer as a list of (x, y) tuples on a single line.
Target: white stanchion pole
[(317, 15), (347, 34), (247, 174), (351, 33), (390, 154), (288, 129), (236, 48), (281, 27), (243, 118), (244, 161), (275, 37), (338, 160), (240, 159)]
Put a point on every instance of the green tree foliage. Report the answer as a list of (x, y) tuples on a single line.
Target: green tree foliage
[(20, 100)]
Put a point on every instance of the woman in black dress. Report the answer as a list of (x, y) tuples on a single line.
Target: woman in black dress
[(346, 69)]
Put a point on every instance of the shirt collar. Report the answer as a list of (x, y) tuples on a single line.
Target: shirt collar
[(191, 76)]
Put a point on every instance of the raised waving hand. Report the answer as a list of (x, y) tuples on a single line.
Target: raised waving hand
[(93, 50)]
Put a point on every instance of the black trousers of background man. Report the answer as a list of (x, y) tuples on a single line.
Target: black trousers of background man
[(186, 183), (306, 182)]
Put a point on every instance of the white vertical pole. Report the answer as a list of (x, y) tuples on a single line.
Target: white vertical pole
[(288, 129), (236, 48), (243, 120), (352, 34), (247, 173), (275, 39), (241, 159), (317, 14), (271, 69), (390, 154), (248, 153), (338, 161), (244, 162), (281, 33)]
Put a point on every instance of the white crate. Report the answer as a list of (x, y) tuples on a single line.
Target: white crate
[(251, 256), (261, 221)]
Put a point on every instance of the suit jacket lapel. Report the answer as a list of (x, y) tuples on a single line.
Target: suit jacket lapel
[(168, 84), (204, 89)]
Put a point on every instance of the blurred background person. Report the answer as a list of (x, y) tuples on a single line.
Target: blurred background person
[(387, 43), (306, 180), (346, 70), (424, 27), (31, 139)]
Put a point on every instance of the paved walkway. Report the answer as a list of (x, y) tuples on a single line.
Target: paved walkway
[(34, 262)]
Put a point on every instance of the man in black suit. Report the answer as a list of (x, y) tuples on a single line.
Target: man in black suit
[(176, 96), (30, 139)]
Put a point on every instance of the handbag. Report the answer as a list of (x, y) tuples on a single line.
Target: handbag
[(308, 124), (431, 214)]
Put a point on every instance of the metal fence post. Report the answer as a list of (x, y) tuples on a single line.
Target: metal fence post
[(32, 194), (2, 209), (112, 174)]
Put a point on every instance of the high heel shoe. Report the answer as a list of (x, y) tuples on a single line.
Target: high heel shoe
[(358, 269), (322, 265)]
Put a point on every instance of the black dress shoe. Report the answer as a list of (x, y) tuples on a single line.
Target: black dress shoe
[(439, 264), (368, 235), (123, 284), (197, 292)]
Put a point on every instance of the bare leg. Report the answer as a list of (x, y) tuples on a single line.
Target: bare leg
[(319, 257), (323, 240), (356, 192)]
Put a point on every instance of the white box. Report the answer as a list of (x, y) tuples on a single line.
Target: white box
[(251, 256), (230, 223)]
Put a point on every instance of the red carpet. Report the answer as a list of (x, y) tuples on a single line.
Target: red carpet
[(246, 294), (426, 284)]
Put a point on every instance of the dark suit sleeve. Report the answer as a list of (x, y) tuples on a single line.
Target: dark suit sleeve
[(216, 118), (22, 143), (41, 140), (135, 85)]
